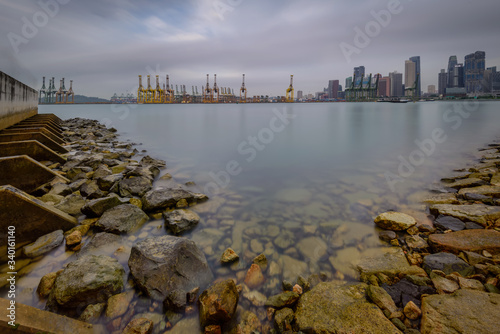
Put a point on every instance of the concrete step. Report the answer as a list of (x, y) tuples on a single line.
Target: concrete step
[(33, 148), (31, 217), (49, 133), (26, 173), (38, 136)]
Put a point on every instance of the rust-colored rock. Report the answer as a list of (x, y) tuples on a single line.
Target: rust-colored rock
[(254, 277), (467, 240)]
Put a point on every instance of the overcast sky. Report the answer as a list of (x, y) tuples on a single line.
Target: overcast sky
[(103, 45)]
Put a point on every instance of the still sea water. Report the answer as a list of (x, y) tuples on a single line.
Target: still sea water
[(300, 183)]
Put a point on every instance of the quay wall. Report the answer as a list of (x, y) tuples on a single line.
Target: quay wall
[(17, 101)]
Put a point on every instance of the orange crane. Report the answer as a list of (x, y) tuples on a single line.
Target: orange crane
[(149, 92), (243, 91), (169, 92), (289, 91), (141, 92), (158, 93), (208, 94), (70, 93)]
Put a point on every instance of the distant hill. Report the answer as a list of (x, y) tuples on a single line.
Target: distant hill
[(87, 99)]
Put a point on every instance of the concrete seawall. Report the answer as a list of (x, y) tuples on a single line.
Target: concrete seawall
[(17, 101)]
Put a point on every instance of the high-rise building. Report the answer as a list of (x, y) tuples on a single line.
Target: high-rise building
[(384, 87), (300, 94), (451, 64), (474, 72), (396, 84), (416, 60), (457, 76), (442, 82), (333, 89), (348, 83), (410, 77), (431, 89), (359, 71)]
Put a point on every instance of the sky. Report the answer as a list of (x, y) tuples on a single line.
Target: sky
[(103, 45)]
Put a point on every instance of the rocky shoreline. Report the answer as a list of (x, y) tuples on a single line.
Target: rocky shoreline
[(435, 272)]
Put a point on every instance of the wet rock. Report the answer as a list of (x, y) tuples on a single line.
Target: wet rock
[(346, 304), (91, 190), (249, 324), (312, 248), (176, 301), (294, 195), (161, 199), (72, 204), (229, 256), (416, 242), (46, 284), (292, 267), (148, 161), (446, 263), (485, 190), (412, 311), (118, 304), (107, 182), (88, 280), (406, 290), (449, 223), (387, 235), (467, 240), (135, 186), (256, 246), (283, 320), (254, 277), (470, 284), (96, 207), (125, 218), (446, 198), (285, 299), (284, 240), (255, 297), (466, 183), (92, 313), (473, 226), (478, 213), (443, 284), (261, 261), (395, 221), (213, 329), (465, 311), (73, 239), (381, 298), (218, 303), (139, 326), (163, 264), (181, 220), (44, 244)]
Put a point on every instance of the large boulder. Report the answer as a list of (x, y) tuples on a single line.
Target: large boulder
[(395, 221), (44, 244), (135, 186), (72, 204), (179, 221), (125, 218), (447, 263), (160, 199), (218, 303), (467, 240), (164, 264), (88, 280), (465, 311), (333, 308)]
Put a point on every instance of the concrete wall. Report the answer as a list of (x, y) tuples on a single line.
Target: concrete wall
[(17, 101)]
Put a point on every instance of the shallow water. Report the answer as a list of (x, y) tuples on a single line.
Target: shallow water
[(300, 183)]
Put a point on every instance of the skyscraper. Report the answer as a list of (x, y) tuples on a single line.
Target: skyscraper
[(410, 77), (442, 82), (474, 72), (431, 89), (451, 64), (384, 87), (416, 60), (457, 76), (333, 89), (396, 84), (359, 71)]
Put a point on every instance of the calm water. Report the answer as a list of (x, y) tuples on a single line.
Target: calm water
[(299, 182)]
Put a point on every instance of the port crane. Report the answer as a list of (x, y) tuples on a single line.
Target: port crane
[(70, 93), (290, 91), (208, 93), (158, 92), (149, 92), (61, 93), (410, 91), (215, 90)]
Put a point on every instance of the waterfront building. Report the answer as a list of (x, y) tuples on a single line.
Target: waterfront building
[(451, 65), (348, 83), (333, 89), (431, 89), (410, 77), (396, 84), (442, 82), (300, 95), (474, 72), (384, 87), (416, 60)]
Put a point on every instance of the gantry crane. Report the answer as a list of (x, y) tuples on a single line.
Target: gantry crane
[(208, 93), (215, 90), (243, 91), (70, 93), (410, 91), (42, 92), (158, 92), (290, 91), (149, 91), (61, 93), (141, 92), (169, 92)]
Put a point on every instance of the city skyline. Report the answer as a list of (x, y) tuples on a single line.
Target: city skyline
[(104, 46)]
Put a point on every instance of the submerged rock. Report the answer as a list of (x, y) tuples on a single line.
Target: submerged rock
[(125, 218), (88, 280), (467, 240), (447, 263), (333, 308), (161, 265), (229, 256)]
